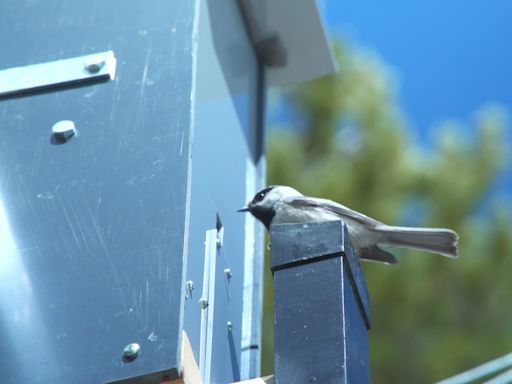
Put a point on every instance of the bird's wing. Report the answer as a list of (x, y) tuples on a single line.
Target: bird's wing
[(336, 208)]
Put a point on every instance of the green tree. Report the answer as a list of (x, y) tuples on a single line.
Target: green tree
[(432, 317)]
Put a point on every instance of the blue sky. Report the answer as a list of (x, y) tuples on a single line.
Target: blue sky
[(450, 56)]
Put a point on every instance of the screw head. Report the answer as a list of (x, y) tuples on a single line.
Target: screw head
[(131, 351), (203, 303)]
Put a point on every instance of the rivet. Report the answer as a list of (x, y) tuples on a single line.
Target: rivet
[(131, 351), (203, 303), (228, 273)]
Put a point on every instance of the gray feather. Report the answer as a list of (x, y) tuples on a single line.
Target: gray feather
[(333, 207), (436, 240), (377, 254)]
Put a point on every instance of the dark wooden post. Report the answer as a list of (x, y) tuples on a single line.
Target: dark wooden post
[(321, 305)]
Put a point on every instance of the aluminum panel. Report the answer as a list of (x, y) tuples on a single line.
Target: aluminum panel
[(92, 230)]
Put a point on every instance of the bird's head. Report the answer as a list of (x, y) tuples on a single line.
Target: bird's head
[(262, 206)]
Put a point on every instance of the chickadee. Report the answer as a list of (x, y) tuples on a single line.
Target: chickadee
[(280, 204)]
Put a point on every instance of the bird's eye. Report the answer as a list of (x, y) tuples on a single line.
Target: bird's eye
[(259, 197)]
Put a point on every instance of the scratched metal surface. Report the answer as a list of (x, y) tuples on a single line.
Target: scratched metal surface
[(91, 231)]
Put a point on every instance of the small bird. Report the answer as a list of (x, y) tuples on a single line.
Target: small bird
[(278, 204)]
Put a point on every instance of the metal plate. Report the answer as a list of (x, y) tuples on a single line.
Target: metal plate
[(92, 230)]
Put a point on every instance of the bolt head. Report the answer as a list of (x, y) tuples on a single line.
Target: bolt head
[(230, 326), (228, 273), (131, 351), (94, 65), (190, 285), (63, 130)]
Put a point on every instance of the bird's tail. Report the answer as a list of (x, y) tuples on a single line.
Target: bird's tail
[(435, 240)]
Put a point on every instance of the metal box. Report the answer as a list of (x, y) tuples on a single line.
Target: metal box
[(130, 134)]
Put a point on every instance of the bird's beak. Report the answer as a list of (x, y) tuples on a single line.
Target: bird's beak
[(245, 209)]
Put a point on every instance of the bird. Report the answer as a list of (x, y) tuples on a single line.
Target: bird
[(278, 204)]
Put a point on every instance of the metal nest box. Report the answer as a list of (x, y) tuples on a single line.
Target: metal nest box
[(131, 134)]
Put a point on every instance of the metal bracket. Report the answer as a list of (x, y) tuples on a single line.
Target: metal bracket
[(41, 77), (207, 303)]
